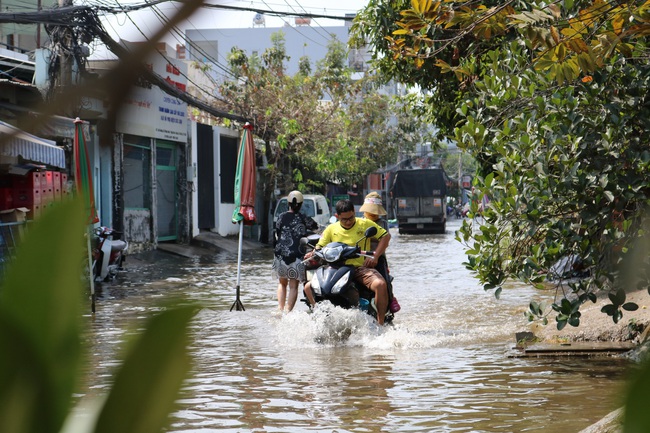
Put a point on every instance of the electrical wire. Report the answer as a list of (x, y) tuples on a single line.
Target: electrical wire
[(85, 19), (298, 31), (195, 48), (189, 80), (269, 11), (326, 36)]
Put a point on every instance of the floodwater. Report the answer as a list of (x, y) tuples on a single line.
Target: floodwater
[(445, 365)]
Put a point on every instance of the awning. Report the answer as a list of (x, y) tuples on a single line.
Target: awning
[(15, 142)]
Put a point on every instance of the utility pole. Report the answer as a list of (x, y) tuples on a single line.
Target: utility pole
[(65, 53)]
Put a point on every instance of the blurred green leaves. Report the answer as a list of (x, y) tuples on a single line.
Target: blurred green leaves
[(40, 312), (41, 305), (637, 416)]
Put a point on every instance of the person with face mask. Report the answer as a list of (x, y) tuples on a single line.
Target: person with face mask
[(374, 211), (287, 263)]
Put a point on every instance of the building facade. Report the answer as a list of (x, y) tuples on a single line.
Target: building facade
[(212, 46), (164, 171)]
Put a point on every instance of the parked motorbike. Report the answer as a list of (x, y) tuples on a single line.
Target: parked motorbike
[(332, 280), (109, 253)]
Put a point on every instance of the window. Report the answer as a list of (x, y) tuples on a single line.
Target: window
[(308, 208)]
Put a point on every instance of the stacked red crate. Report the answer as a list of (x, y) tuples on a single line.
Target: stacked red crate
[(6, 199), (47, 186), (27, 192), (6, 193), (64, 185), (56, 185)]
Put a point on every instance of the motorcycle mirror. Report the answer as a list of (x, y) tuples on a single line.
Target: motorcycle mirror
[(303, 245), (313, 238), (333, 219), (370, 232)]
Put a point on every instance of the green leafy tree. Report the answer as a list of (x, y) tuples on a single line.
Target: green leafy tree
[(314, 128), (551, 103)]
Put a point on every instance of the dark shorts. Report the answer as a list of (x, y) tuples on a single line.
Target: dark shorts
[(366, 276)]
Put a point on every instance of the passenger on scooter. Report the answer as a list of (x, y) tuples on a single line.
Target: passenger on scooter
[(373, 210), (348, 230)]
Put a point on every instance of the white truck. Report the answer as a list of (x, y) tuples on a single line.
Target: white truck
[(314, 205)]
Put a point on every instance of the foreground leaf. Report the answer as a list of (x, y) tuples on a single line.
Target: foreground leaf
[(40, 310)]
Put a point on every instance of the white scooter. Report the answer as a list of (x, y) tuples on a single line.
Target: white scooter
[(108, 253)]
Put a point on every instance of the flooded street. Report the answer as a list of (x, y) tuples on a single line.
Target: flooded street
[(443, 367)]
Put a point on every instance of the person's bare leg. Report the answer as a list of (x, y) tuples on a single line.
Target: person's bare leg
[(282, 293), (293, 294), (381, 298), (309, 294)]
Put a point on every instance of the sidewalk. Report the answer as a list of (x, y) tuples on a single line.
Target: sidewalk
[(208, 243)]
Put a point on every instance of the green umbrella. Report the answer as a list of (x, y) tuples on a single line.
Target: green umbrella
[(82, 174), (84, 185), (245, 184), (245, 180)]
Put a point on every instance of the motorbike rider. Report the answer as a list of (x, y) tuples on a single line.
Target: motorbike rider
[(373, 210), (348, 230)]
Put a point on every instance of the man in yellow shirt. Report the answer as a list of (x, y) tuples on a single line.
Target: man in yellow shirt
[(348, 230)]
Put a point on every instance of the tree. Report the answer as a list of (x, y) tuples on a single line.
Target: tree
[(551, 102), (315, 128), (285, 110)]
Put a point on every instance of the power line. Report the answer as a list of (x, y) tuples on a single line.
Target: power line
[(84, 20), (60, 16), (159, 81), (298, 31), (241, 8), (278, 13), (164, 20), (327, 35)]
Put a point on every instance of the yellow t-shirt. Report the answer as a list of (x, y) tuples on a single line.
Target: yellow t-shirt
[(337, 233)]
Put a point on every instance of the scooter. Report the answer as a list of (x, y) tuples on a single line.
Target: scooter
[(108, 253), (332, 279)]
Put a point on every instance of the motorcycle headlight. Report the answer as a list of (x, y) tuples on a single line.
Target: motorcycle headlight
[(332, 254), (315, 285), (341, 283)]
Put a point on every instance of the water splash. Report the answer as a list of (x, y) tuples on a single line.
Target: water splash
[(331, 326)]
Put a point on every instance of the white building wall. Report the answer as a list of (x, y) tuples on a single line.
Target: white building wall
[(299, 41)]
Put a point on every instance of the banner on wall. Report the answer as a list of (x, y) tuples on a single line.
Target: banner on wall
[(150, 112)]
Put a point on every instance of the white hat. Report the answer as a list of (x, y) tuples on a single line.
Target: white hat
[(295, 197), (372, 204)]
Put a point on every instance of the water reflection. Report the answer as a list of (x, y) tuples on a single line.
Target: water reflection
[(443, 367)]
